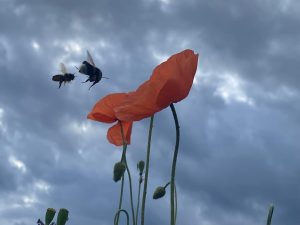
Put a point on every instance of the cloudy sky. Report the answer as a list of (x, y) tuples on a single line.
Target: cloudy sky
[(239, 149)]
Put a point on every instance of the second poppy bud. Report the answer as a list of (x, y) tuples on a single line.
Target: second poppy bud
[(141, 166), (159, 192), (119, 170)]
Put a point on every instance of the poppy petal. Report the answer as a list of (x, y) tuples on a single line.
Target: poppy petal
[(178, 73), (114, 134), (139, 104), (170, 82), (103, 109)]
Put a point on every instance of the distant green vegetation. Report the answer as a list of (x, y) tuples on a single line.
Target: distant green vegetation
[(62, 217)]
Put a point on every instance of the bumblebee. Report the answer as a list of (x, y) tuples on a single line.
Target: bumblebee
[(89, 68), (65, 77)]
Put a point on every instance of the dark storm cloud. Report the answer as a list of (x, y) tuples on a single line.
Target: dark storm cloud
[(246, 166), (257, 39), (239, 137), (8, 181)]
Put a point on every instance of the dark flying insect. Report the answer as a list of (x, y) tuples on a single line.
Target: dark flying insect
[(89, 68), (65, 77)]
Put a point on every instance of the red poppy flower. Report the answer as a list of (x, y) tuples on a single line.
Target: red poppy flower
[(170, 82), (103, 112)]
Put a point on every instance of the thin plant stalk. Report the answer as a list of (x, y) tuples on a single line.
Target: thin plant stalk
[(270, 214), (138, 202), (117, 215), (122, 182), (129, 176), (175, 203), (130, 190), (172, 195), (120, 200), (146, 171)]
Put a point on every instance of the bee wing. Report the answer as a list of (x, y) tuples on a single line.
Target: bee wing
[(89, 58), (63, 68)]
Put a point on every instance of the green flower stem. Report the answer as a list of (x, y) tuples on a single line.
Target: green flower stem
[(120, 200), (130, 189), (128, 172), (138, 202), (122, 182), (117, 215), (167, 184), (269, 220), (175, 203), (146, 171), (172, 195)]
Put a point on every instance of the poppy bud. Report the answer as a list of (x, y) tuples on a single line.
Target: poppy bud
[(159, 192), (62, 217), (49, 215), (141, 166), (119, 170)]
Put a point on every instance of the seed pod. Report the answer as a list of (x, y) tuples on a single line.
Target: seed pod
[(141, 166), (159, 192), (119, 170), (62, 217), (49, 215)]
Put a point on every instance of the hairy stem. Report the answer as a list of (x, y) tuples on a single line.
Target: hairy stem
[(172, 195), (120, 200), (138, 203), (117, 215), (129, 176), (175, 203), (146, 171), (130, 189), (122, 182)]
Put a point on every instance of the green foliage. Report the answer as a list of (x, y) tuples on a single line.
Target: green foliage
[(50, 213), (62, 217)]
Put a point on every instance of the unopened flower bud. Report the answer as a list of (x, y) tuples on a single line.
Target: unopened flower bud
[(159, 192), (119, 170), (62, 217), (141, 166), (49, 215)]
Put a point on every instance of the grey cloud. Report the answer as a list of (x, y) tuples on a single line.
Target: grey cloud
[(235, 158)]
